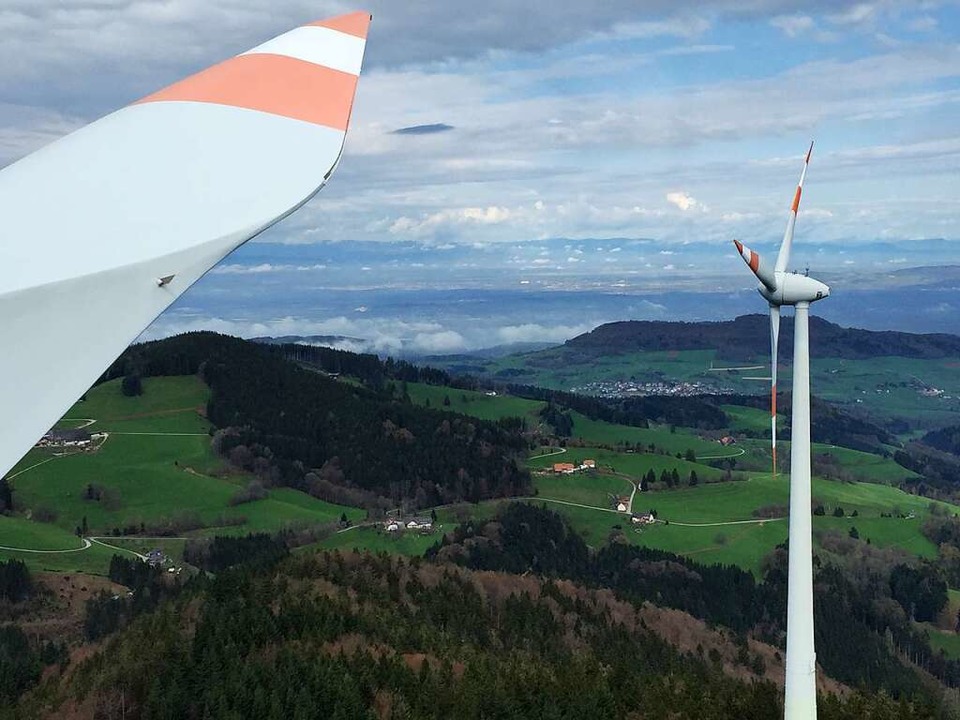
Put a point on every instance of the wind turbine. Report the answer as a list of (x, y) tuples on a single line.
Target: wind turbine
[(780, 288)]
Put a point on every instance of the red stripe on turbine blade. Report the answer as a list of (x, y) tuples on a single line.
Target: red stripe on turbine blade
[(356, 24), (796, 199), (754, 261), (773, 401), (273, 84)]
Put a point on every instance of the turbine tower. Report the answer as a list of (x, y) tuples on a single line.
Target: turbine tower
[(780, 288)]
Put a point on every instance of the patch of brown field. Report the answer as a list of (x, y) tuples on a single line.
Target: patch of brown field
[(59, 614), (415, 661), (353, 643), (73, 590), (693, 636)]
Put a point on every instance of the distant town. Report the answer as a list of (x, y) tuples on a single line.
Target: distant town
[(627, 388)]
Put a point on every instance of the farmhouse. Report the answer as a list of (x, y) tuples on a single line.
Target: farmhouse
[(420, 523), (728, 440), (589, 464), (643, 519), (622, 504), (65, 438), (564, 468)]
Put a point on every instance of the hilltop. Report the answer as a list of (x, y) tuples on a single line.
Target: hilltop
[(747, 338)]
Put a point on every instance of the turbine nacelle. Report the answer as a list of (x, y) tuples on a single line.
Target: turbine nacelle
[(778, 287), (794, 288)]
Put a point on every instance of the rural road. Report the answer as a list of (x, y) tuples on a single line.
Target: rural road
[(722, 457), (630, 501), (86, 544), (558, 451), (759, 521), (564, 502)]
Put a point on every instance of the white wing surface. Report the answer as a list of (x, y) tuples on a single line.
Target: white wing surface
[(104, 228)]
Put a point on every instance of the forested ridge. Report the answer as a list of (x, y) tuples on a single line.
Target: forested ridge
[(865, 598), (346, 635), (295, 426), (747, 337)]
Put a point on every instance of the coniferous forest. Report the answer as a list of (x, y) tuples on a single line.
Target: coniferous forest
[(347, 635)]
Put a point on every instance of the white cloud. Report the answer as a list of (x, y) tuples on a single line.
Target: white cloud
[(924, 23), (682, 200), (793, 25), (432, 223), (239, 269), (534, 332), (439, 342)]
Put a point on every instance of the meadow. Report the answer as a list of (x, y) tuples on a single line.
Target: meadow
[(156, 467), (476, 404), (883, 388)]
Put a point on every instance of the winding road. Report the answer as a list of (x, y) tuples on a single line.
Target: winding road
[(86, 545)]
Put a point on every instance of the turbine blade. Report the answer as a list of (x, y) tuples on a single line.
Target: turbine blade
[(774, 343), (756, 264), (783, 258), (106, 227)]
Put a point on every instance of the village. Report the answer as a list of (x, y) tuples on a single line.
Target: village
[(626, 388)]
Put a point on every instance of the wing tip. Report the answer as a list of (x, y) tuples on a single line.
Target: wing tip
[(355, 23)]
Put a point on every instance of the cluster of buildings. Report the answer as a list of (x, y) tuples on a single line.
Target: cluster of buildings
[(416, 524), (72, 438), (565, 468), (643, 518), (626, 388)]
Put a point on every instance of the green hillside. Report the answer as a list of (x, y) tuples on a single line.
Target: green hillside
[(154, 470)]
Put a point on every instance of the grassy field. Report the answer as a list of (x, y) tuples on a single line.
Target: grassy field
[(156, 465), (589, 488), (376, 540), (598, 431), (564, 368), (20, 532), (884, 387), (750, 419), (476, 404), (480, 405), (705, 522), (634, 465)]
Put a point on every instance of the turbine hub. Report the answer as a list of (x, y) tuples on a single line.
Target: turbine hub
[(793, 288)]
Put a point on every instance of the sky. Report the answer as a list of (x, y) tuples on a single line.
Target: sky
[(612, 146)]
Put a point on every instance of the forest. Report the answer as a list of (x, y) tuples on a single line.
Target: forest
[(294, 426), (334, 635), (862, 594)]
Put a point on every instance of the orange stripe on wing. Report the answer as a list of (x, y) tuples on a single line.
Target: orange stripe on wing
[(754, 261), (357, 23), (273, 84), (796, 199)]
